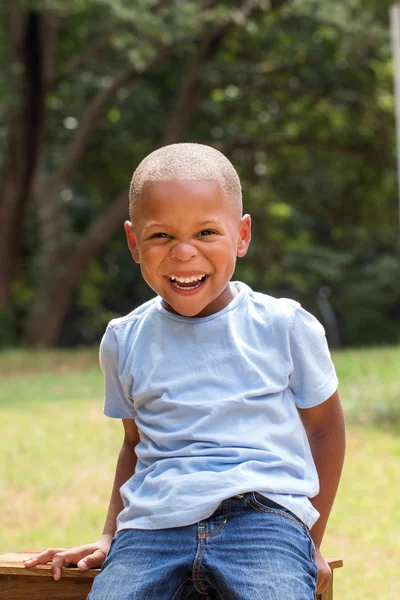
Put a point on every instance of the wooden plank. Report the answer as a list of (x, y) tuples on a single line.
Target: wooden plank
[(16, 582), (334, 563), (12, 564), (15, 587)]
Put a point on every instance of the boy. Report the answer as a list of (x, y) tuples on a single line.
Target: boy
[(229, 404)]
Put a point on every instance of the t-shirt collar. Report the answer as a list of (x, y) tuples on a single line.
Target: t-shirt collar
[(243, 291)]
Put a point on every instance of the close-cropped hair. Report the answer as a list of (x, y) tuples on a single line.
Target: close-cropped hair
[(186, 162)]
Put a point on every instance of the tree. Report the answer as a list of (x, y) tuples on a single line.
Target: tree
[(298, 95), (145, 34)]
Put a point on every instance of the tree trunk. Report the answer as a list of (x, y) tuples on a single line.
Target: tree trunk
[(62, 265), (63, 271), (24, 140)]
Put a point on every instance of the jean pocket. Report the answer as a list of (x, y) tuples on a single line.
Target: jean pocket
[(262, 504)]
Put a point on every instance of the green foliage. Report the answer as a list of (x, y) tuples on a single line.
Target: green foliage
[(300, 99)]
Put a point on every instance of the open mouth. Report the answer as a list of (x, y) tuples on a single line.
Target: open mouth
[(187, 283)]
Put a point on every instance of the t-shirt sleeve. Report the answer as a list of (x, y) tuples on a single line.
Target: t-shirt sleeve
[(117, 403), (313, 379)]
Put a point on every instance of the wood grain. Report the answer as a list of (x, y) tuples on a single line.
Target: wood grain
[(12, 564), (19, 583), (15, 587)]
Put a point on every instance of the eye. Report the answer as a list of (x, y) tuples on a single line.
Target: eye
[(159, 236), (206, 232)]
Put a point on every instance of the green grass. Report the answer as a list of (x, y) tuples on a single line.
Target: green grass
[(369, 384), (58, 455)]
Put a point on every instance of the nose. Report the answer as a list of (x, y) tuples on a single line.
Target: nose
[(183, 251)]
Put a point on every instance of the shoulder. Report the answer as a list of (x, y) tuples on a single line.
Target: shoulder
[(279, 306), (121, 332), (284, 314), (135, 316), (277, 310)]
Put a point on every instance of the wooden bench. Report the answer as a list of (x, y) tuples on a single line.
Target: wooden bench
[(20, 583)]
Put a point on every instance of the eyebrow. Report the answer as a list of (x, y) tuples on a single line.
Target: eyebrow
[(215, 221), (209, 222), (152, 225)]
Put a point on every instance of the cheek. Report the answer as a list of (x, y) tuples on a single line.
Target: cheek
[(152, 256), (150, 275), (225, 253)]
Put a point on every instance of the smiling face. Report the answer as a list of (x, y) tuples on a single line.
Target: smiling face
[(186, 237)]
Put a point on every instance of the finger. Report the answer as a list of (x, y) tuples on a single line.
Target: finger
[(63, 558), (42, 558), (72, 557), (57, 565), (92, 561), (323, 581)]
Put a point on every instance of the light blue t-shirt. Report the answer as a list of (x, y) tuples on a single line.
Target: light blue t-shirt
[(215, 401)]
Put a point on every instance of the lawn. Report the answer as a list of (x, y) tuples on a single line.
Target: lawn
[(58, 454)]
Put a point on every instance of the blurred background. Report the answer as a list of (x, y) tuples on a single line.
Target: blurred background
[(299, 95)]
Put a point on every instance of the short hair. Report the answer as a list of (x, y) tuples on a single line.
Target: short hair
[(186, 162)]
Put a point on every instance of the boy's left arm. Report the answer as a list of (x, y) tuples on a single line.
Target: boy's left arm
[(325, 428)]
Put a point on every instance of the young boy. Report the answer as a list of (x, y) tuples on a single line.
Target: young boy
[(229, 404)]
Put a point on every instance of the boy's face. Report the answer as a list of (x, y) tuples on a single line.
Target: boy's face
[(186, 238)]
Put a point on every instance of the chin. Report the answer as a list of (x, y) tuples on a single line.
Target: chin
[(188, 312)]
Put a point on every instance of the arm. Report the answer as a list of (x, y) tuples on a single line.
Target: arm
[(325, 429), (126, 466), (93, 555)]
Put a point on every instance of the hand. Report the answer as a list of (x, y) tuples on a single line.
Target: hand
[(324, 572), (90, 556)]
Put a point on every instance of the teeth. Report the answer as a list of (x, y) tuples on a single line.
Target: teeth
[(187, 279)]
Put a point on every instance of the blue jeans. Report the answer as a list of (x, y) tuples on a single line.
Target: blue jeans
[(249, 549)]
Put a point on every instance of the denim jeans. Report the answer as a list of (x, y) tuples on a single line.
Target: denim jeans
[(249, 549)]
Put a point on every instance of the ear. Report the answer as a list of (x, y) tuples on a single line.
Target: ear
[(244, 235), (132, 242)]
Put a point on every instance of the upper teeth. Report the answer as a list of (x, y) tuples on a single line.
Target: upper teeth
[(187, 279)]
